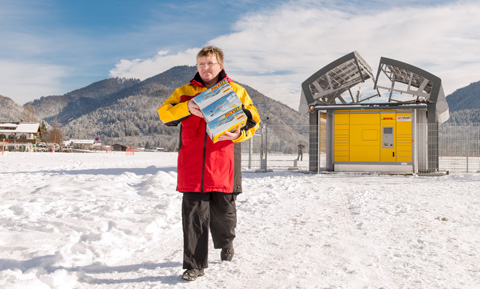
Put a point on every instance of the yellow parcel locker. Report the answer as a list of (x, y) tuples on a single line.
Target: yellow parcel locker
[(374, 136)]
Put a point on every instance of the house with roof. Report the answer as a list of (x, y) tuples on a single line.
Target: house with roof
[(19, 136)]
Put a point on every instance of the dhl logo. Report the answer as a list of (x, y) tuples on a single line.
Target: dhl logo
[(387, 118)]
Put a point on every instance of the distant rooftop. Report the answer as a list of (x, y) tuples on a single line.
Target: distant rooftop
[(19, 127)]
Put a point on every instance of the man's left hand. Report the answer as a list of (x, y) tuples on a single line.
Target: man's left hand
[(230, 135)]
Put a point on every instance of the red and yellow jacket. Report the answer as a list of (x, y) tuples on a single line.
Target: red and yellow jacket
[(204, 166)]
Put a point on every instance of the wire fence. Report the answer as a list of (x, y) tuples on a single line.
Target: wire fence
[(458, 148)]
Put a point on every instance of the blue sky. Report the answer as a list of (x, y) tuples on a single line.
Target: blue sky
[(54, 46)]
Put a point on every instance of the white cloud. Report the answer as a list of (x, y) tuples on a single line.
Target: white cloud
[(144, 68), (275, 51), (27, 80)]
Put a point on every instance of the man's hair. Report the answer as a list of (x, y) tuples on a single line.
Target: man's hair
[(211, 50)]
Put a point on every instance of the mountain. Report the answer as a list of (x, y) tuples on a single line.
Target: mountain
[(467, 97), (464, 105), (10, 111), (80, 101), (125, 111)]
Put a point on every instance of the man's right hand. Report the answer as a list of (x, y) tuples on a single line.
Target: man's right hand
[(194, 109)]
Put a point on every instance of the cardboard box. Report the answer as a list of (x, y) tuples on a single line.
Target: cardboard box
[(221, 108)]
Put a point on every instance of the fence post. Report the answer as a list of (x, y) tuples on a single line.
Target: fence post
[(263, 154), (250, 148), (263, 149), (468, 145)]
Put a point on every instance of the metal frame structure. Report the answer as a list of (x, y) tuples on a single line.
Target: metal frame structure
[(324, 91), (424, 87), (327, 85)]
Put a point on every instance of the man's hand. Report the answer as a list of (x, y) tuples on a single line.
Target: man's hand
[(230, 135), (194, 109)]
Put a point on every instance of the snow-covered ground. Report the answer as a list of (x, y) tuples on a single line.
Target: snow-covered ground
[(108, 220)]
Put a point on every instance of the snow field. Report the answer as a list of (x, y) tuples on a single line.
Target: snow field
[(114, 221)]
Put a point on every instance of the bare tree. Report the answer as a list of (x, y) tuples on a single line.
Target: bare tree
[(55, 135)]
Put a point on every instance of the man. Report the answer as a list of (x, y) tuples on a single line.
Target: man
[(209, 174), (301, 146)]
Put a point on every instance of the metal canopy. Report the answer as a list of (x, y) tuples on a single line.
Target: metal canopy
[(328, 84), (419, 84)]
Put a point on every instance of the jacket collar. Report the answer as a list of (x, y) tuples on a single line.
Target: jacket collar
[(197, 80)]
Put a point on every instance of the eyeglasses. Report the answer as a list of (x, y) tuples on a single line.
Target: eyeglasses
[(208, 64)]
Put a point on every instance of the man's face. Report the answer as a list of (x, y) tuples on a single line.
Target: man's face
[(209, 68)]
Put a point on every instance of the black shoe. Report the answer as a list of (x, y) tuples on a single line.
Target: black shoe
[(192, 274), (227, 254)]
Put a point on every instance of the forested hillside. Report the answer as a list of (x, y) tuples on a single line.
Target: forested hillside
[(465, 117), (9, 110), (465, 98), (464, 105)]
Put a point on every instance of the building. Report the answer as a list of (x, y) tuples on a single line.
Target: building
[(119, 148), (81, 144), (393, 129), (20, 136)]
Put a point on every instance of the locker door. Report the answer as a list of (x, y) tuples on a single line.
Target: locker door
[(342, 138), (365, 137), (403, 137)]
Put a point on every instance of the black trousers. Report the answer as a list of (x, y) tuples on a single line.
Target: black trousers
[(202, 212)]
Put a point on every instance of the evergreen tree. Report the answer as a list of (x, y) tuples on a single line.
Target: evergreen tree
[(44, 130)]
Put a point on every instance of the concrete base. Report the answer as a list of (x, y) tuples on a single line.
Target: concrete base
[(263, 171), (372, 168)]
